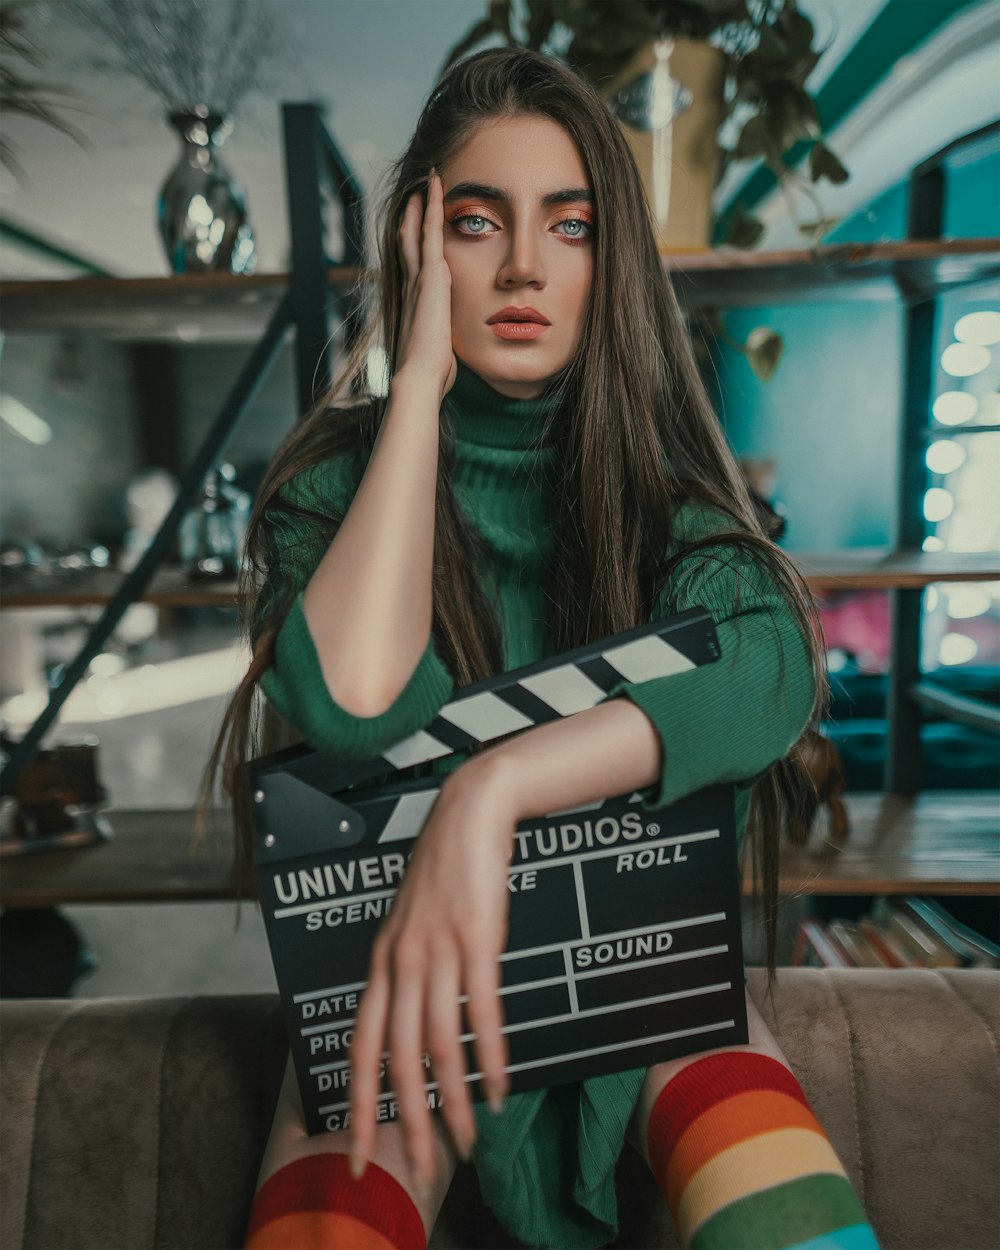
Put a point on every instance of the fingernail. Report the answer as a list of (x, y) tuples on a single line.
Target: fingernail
[(358, 1163), (464, 1147), (494, 1098)]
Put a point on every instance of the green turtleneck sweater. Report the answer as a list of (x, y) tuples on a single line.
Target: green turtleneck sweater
[(546, 1165)]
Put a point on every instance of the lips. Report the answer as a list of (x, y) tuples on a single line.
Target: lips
[(512, 313)]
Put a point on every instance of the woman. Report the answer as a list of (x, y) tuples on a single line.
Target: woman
[(524, 487)]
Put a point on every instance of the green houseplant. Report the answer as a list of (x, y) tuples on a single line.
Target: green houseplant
[(767, 54)]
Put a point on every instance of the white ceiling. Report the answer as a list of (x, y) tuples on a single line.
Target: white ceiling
[(372, 62)]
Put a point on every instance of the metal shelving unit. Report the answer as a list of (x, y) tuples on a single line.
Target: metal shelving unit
[(265, 308)]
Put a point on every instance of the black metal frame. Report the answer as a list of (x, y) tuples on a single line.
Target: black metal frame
[(906, 693), (310, 156)]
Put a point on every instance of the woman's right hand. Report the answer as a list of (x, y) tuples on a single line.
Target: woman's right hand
[(424, 345)]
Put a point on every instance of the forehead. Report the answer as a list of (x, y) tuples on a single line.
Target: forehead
[(519, 153)]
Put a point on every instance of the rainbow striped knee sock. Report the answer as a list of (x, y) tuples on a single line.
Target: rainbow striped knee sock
[(315, 1204), (744, 1163)]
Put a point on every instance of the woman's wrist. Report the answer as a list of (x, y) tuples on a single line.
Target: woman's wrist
[(416, 385), (490, 776)]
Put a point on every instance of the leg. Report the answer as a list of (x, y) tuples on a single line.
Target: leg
[(306, 1197), (741, 1159)]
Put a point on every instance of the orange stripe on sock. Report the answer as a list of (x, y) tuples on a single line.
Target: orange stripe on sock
[(759, 1163), (317, 1230), (728, 1123)]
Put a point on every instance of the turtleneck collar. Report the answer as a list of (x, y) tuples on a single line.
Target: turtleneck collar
[(485, 418)]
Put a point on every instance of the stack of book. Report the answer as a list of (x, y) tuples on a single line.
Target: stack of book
[(898, 933)]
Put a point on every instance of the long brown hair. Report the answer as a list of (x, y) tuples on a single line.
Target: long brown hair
[(637, 430)]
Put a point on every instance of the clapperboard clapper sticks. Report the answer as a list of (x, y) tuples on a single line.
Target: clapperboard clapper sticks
[(624, 932)]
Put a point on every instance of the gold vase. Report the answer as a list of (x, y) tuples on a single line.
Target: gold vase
[(669, 102)]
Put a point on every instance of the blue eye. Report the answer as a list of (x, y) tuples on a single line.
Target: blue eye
[(461, 225), (577, 227)]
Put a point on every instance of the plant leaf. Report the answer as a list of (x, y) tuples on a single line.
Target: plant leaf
[(799, 30), (790, 115), (742, 230), (499, 18), (817, 230), (754, 140), (764, 348), (824, 164), (541, 19)]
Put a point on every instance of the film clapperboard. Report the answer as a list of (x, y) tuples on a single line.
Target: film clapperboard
[(624, 928)]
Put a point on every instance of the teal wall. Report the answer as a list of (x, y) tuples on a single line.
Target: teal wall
[(972, 191), (830, 414)]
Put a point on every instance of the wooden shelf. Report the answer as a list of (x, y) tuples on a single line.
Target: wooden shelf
[(826, 573), (228, 308), (938, 842), (911, 270), (864, 568), (149, 859), (187, 308), (169, 588)]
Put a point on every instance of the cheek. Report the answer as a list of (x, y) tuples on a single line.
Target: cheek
[(581, 294)]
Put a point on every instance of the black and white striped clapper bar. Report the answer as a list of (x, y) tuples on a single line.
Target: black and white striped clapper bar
[(624, 935)]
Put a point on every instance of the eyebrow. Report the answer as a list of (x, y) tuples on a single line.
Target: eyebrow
[(483, 191)]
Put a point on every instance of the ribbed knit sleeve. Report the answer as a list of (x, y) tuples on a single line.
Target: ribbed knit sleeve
[(730, 720), (295, 541)]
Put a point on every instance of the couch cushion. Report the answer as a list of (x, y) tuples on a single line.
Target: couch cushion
[(140, 1123)]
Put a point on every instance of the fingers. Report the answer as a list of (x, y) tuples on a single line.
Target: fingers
[(424, 340), (444, 1026), (421, 232), (485, 1015), (409, 236), (407, 1069), (440, 947), (366, 1063), (433, 232), (417, 1001)]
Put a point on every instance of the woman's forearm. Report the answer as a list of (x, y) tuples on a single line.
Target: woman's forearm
[(369, 603), (607, 750)]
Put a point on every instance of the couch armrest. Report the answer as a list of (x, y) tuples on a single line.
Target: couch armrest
[(135, 1122)]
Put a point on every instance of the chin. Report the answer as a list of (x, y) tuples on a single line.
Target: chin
[(520, 367), (522, 383)]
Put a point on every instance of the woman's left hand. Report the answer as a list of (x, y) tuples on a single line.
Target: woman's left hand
[(441, 940)]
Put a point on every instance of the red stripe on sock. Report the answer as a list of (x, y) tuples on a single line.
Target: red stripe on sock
[(322, 1182), (700, 1086)]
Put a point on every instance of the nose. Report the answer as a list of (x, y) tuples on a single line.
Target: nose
[(522, 265)]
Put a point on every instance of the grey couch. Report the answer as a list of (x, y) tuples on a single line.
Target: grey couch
[(139, 1123)]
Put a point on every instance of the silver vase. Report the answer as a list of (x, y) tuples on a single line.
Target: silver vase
[(202, 210)]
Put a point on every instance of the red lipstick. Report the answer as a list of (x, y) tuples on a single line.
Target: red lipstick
[(518, 324)]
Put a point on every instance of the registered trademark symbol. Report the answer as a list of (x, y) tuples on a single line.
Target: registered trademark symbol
[(653, 829)]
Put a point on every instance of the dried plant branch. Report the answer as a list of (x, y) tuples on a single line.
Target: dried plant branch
[(24, 96), (186, 52)]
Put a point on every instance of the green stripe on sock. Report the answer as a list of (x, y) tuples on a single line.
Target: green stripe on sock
[(782, 1215)]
